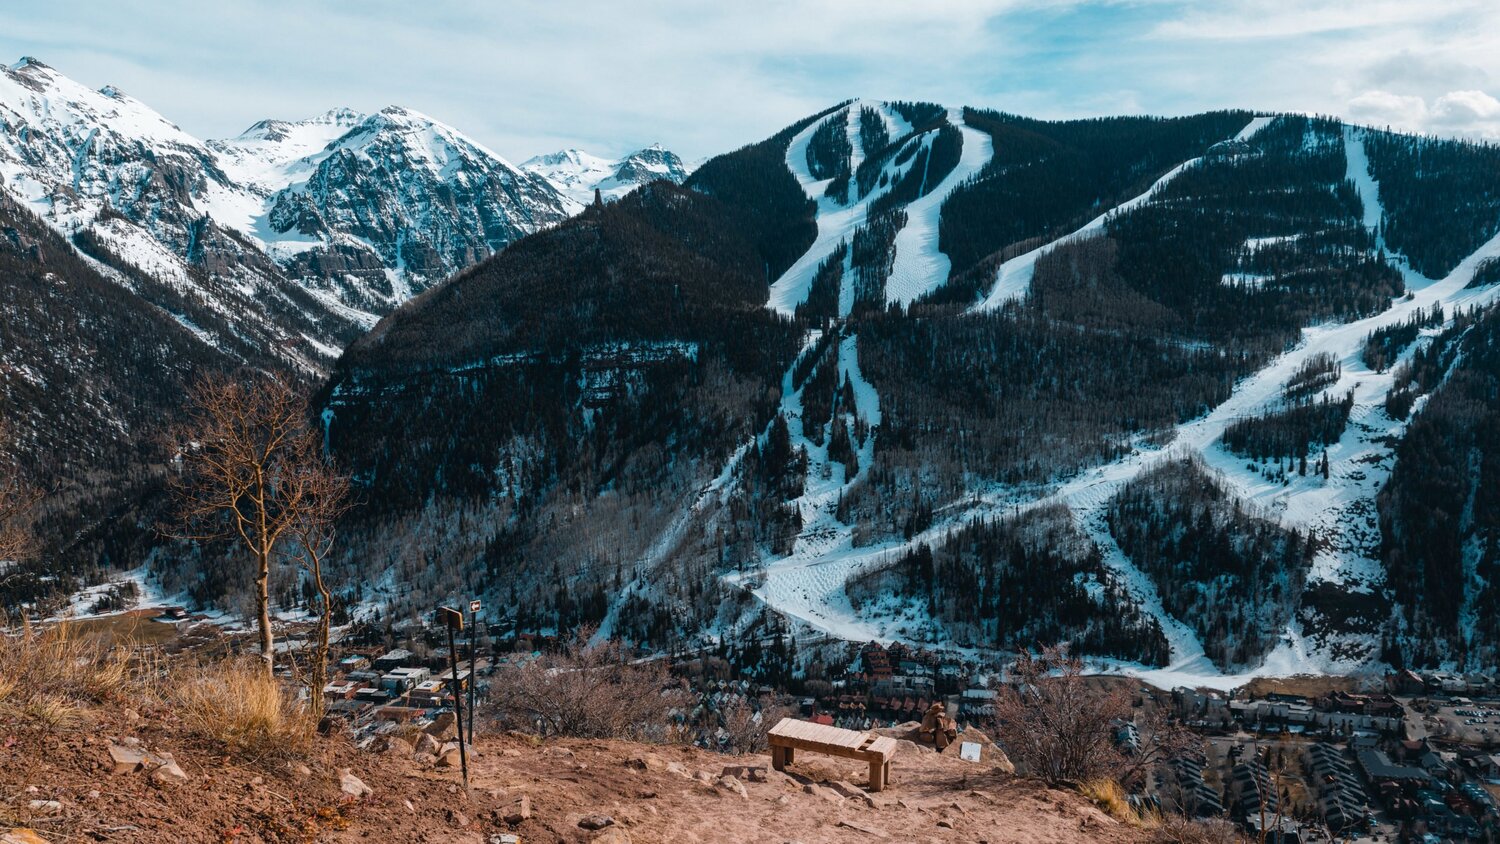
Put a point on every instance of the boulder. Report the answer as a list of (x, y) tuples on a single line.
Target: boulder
[(613, 835), (169, 771), (450, 758), (734, 785), (518, 811), (21, 835), (746, 773), (592, 822), (398, 746), (826, 793), (846, 789), (442, 726), (427, 744), (352, 786), (127, 758)]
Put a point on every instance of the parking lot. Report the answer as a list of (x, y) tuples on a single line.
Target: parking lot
[(1472, 723)]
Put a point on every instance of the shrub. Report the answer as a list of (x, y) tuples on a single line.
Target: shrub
[(1059, 724), (588, 691)]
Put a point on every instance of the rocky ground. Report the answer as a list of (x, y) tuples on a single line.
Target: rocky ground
[(129, 778)]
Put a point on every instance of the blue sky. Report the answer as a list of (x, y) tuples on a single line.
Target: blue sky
[(532, 76)]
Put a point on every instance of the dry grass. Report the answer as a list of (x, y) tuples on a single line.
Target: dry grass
[(49, 678), (234, 704), (1110, 797)]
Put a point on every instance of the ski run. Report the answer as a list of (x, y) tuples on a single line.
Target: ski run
[(807, 587)]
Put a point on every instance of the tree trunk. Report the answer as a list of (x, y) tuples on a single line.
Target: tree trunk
[(263, 609), (320, 659)]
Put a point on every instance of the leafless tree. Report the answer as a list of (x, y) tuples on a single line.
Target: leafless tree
[(1057, 722), (248, 453), (588, 691), (325, 493)]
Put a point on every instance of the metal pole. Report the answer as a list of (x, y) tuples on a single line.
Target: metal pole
[(473, 667), (458, 695)]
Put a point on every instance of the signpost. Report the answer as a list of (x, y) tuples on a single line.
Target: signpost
[(454, 620), (473, 666)]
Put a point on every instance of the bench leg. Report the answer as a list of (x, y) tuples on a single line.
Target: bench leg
[(877, 775), (789, 754), (778, 757)]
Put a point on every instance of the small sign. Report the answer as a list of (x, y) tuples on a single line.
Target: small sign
[(451, 617), (969, 751), (474, 607)]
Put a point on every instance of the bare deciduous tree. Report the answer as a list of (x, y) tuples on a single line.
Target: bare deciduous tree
[(1057, 722), (325, 494), (247, 449)]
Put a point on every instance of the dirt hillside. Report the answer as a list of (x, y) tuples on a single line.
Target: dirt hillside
[(83, 783)]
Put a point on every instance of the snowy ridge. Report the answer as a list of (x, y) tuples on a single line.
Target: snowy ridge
[(361, 211), (1013, 278), (577, 174)]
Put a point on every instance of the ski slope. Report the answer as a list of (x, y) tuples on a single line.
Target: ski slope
[(808, 585), (924, 266), (1013, 278), (920, 266)]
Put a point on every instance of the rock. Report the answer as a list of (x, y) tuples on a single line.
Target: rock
[(45, 808), (451, 759), (613, 835), (679, 769), (353, 786), (457, 819), (746, 773), (734, 785), (645, 795), (170, 772), (302, 770), (592, 822), (398, 746), (945, 824), (704, 777), (409, 807), (504, 838), (846, 788), (442, 726), (427, 744), (425, 760), (825, 793), (131, 714), (127, 758), (867, 801), (518, 811), (21, 835), (646, 762), (332, 725)]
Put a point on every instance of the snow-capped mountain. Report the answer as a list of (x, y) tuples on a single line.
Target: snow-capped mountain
[(578, 174), (399, 202), (295, 236)]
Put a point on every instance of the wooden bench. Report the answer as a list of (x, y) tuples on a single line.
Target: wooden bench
[(791, 735)]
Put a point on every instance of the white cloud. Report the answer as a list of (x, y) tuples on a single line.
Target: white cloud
[(1383, 108)]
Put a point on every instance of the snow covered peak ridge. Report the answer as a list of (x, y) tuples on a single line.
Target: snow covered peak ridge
[(578, 173), (362, 211)]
